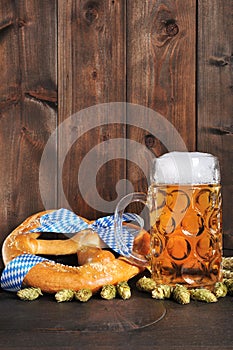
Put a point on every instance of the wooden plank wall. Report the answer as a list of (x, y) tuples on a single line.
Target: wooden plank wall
[(214, 95), (92, 70), (60, 57), (161, 46), (28, 104)]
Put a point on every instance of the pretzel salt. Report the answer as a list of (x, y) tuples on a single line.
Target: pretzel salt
[(97, 266)]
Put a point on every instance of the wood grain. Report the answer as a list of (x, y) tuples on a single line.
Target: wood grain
[(27, 104), (215, 79), (161, 71), (184, 326), (170, 56), (91, 71)]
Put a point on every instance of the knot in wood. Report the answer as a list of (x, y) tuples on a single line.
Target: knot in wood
[(150, 141), (91, 13), (21, 22), (172, 28), (94, 75)]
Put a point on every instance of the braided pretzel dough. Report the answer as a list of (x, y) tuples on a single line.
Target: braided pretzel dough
[(97, 266)]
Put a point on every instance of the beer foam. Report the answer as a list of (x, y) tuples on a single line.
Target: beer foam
[(185, 168)]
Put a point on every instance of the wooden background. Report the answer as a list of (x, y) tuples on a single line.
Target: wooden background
[(58, 57)]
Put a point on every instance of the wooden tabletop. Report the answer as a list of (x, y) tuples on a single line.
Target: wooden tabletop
[(138, 323)]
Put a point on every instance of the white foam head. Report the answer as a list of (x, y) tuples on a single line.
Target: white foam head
[(185, 168)]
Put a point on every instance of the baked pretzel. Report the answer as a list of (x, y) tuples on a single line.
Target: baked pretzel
[(97, 267)]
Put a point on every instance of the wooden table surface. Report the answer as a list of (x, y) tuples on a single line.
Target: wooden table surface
[(138, 323)]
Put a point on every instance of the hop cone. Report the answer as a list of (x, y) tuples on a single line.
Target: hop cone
[(123, 289), (227, 273), (229, 284), (83, 295), (146, 284), (108, 292), (227, 263), (64, 295), (203, 294), (181, 294), (29, 293), (162, 291), (220, 290)]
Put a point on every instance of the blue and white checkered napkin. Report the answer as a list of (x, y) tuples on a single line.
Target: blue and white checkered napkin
[(65, 221), (15, 271)]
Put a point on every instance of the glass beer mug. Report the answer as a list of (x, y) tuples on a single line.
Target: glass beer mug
[(184, 201)]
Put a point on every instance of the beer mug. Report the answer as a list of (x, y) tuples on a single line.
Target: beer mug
[(184, 201)]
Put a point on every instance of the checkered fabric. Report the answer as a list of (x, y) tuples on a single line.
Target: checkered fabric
[(15, 271), (65, 221)]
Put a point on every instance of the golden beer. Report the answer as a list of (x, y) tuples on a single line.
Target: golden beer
[(185, 207), (186, 234)]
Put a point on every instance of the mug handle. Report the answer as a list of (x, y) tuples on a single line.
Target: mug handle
[(118, 221)]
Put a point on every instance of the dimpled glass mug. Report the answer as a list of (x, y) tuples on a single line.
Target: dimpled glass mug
[(184, 201)]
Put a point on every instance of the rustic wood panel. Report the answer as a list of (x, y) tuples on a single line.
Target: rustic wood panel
[(27, 104), (161, 67), (45, 324), (215, 81), (91, 71), (142, 52)]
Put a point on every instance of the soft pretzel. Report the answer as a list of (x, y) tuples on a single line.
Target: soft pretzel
[(97, 266)]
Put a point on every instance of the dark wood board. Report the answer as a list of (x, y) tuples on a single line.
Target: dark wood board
[(174, 57), (28, 103), (92, 71), (45, 324), (215, 81), (161, 63)]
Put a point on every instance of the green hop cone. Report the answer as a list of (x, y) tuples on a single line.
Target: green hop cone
[(162, 291), (146, 284), (203, 294), (181, 294), (83, 295), (29, 293), (158, 293), (227, 263), (123, 289), (64, 295), (220, 290), (229, 284), (108, 292), (227, 274)]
